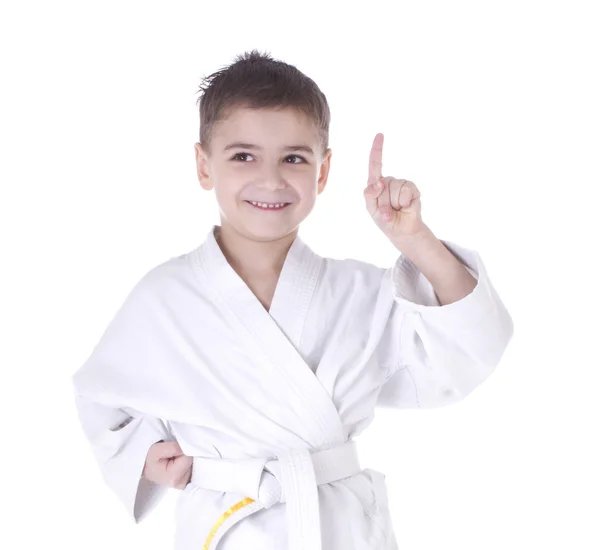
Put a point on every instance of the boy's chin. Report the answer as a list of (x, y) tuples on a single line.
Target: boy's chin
[(267, 226)]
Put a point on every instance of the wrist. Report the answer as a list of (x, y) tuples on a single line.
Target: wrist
[(412, 245)]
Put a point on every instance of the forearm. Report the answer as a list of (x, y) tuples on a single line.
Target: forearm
[(447, 275)]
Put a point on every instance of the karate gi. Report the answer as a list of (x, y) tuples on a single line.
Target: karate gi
[(268, 403)]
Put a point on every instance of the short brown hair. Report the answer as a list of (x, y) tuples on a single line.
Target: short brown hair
[(258, 81)]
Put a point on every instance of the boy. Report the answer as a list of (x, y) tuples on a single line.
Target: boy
[(241, 371)]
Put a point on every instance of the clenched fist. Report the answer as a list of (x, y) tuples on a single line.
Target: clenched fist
[(167, 465)]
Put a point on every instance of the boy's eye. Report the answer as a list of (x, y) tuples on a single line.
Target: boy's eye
[(296, 156), (237, 155)]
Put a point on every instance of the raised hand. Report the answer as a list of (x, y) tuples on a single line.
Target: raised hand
[(394, 204)]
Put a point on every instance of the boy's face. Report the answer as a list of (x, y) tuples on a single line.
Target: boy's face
[(264, 170)]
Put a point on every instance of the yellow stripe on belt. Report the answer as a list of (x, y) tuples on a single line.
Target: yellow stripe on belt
[(231, 510)]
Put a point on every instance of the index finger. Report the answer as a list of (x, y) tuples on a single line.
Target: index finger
[(375, 159)]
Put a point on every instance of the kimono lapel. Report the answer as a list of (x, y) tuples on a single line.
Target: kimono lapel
[(278, 331), (295, 289)]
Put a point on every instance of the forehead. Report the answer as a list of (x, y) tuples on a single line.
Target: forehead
[(266, 125)]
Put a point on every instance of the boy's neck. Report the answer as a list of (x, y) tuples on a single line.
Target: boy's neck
[(253, 257)]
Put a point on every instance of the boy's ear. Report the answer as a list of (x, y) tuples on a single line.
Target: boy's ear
[(324, 171), (202, 167)]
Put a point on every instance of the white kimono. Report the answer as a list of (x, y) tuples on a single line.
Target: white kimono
[(268, 403)]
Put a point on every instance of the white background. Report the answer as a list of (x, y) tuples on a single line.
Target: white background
[(491, 108)]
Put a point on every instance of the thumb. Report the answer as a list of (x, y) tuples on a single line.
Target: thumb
[(168, 449), (179, 467), (183, 475), (384, 202), (181, 463)]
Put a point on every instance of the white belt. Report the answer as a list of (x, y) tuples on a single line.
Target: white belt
[(292, 478)]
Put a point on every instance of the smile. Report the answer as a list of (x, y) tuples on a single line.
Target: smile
[(269, 206)]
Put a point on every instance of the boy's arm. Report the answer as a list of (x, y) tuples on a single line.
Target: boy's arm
[(444, 351), (120, 444)]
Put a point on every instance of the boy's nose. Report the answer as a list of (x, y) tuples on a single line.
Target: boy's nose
[(272, 180)]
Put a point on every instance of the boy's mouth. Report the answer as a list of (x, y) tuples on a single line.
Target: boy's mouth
[(269, 206)]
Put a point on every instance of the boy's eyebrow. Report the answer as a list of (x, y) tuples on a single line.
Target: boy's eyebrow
[(239, 145)]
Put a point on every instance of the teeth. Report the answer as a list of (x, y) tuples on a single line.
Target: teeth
[(265, 205)]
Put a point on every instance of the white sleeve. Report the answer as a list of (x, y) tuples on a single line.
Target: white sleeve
[(443, 352), (120, 443)]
